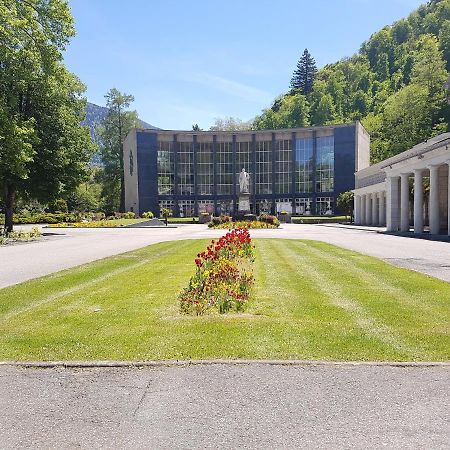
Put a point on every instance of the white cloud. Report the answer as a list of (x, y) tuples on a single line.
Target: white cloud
[(232, 87)]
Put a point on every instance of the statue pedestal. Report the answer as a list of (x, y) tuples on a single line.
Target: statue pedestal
[(244, 203)]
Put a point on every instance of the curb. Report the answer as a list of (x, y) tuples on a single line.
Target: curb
[(211, 362)]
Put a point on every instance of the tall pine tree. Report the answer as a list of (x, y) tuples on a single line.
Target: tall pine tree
[(303, 77)]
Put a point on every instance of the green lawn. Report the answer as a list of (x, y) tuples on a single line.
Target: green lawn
[(312, 301), (99, 223)]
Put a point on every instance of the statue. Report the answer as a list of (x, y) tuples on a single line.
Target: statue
[(244, 182)]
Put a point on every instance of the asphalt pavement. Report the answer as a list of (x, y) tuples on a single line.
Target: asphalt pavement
[(226, 406)]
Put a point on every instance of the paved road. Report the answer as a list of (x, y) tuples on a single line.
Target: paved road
[(70, 247), (226, 406)]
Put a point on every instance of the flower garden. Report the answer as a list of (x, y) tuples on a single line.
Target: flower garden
[(226, 222), (223, 277)]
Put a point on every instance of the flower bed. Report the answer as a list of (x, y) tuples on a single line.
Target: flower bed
[(223, 278), (243, 224)]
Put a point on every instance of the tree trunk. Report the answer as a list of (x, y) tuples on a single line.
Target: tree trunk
[(122, 193), (10, 194)]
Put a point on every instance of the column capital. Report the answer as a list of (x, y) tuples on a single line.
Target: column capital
[(433, 166), (420, 171), (405, 174)]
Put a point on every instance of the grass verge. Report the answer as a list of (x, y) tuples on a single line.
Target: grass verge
[(311, 301)]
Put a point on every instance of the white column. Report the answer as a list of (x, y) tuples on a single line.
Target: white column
[(382, 210), (392, 212), (368, 210), (404, 202), (363, 210), (374, 209), (357, 210), (434, 200), (418, 201)]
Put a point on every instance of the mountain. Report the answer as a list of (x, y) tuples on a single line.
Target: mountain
[(94, 117)]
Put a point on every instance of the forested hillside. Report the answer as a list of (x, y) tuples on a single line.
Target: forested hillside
[(397, 85)]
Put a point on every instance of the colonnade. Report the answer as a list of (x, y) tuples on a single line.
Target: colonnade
[(370, 209), (391, 207)]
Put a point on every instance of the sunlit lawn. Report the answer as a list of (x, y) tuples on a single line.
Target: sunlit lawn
[(311, 301)]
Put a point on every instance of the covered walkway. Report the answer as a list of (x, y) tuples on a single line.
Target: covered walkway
[(408, 191)]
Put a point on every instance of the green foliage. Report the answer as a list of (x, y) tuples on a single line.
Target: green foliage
[(303, 77), (395, 85), (148, 215), (345, 202), (43, 148), (114, 129), (292, 111), (59, 206)]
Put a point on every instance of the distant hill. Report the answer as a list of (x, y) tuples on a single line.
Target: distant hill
[(94, 116)]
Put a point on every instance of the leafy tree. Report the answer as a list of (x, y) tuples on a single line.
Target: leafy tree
[(112, 132), (407, 118), (293, 111), (195, 127), (345, 203), (43, 148), (230, 124), (305, 73)]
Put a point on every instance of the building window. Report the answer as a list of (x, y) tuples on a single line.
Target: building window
[(205, 168), (325, 206), (131, 163), (303, 206), (263, 176), (283, 165), (224, 154), (206, 206), (304, 165), (263, 206), (165, 168), (325, 164), (186, 168), (186, 208), (283, 205), (169, 204), (225, 207), (243, 161)]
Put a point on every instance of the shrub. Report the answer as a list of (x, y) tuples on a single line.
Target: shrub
[(268, 218), (45, 218), (148, 215), (223, 277), (58, 206)]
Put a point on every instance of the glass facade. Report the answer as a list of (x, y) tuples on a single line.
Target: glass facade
[(224, 155), (325, 164), (303, 206), (205, 168), (263, 176), (324, 206), (283, 166), (304, 164), (185, 167), (290, 170), (166, 172), (243, 161)]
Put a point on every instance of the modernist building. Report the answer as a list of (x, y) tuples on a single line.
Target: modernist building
[(411, 189), (301, 171)]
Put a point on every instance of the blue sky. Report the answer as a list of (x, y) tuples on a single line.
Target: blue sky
[(189, 62)]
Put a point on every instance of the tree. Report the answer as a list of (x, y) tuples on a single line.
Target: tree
[(195, 127), (112, 132), (345, 203), (43, 148), (304, 75), (230, 124), (293, 111)]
